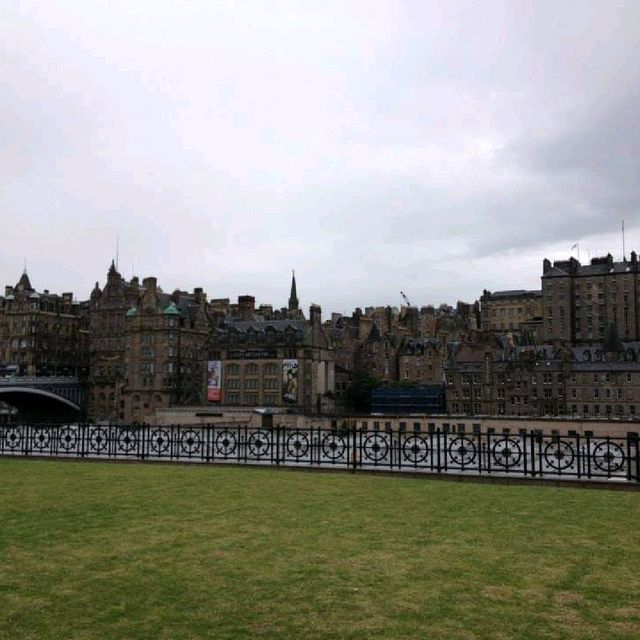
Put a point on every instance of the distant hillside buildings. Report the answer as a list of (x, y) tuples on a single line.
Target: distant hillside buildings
[(572, 347)]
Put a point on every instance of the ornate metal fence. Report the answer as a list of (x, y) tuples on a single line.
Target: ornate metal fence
[(436, 451)]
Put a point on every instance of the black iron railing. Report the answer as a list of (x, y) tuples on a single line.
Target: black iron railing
[(437, 451)]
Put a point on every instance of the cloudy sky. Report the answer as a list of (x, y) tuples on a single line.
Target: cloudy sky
[(437, 148)]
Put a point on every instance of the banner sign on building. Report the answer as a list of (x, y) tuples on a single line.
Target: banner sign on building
[(290, 381), (214, 381), (252, 354)]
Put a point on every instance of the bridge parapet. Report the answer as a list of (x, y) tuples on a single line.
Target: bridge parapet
[(38, 381)]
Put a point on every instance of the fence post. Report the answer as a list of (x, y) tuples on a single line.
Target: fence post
[(632, 453), (354, 451)]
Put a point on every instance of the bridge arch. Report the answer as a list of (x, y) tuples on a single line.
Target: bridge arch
[(33, 403)]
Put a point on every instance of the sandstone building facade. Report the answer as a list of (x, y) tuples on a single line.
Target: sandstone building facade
[(42, 333)]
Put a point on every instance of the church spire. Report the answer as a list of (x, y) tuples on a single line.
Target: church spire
[(293, 298)]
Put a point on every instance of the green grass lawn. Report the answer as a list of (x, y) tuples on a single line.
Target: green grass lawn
[(105, 551)]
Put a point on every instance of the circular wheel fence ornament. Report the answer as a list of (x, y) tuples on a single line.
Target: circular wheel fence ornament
[(41, 439), (608, 457), (559, 455), (159, 441), (259, 443), (415, 449), (12, 438), (190, 442), (333, 446), (225, 443), (98, 439), (67, 438), (506, 452), (462, 451), (376, 447), (127, 441), (297, 445)]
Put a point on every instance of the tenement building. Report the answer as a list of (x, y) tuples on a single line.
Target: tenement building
[(499, 377), (42, 333), (421, 360), (510, 310), (581, 303)]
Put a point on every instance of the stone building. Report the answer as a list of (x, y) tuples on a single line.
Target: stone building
[(377, 355), (147, 349), (505, 379), (275, 362), (582, 302), (604, 381), (165, 341), (421, 360), (510, 310), (41, 333), (107, 316)]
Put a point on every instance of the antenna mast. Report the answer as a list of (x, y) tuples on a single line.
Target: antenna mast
[(623, 251)]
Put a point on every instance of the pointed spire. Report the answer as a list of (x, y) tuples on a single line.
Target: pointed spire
[(24, 283), (293, 298)]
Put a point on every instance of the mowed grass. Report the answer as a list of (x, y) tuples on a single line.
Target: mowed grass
[(104, 551)]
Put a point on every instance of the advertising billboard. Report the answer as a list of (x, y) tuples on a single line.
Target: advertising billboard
[(214, 381), (290, 381)]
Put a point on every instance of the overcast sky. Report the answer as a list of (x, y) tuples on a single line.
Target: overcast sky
[(438, 148)]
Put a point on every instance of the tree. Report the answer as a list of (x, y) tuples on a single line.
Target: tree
[(358, 394)]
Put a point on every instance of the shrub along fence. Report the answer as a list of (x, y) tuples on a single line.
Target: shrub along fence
[(523, 454)]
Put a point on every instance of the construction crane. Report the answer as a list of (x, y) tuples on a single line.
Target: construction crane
[(402, 293)]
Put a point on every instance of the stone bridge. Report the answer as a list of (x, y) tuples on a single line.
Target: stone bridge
[(50, 399)]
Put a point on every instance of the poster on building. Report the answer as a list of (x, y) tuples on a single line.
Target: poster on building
[(214, 381), (290, 381)]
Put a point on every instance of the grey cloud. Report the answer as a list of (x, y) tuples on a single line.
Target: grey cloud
[(364, 145)]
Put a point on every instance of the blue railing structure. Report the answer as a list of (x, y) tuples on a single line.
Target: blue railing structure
[(533, 455)]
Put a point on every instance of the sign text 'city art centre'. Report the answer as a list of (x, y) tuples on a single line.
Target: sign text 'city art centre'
[(252, 354)]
